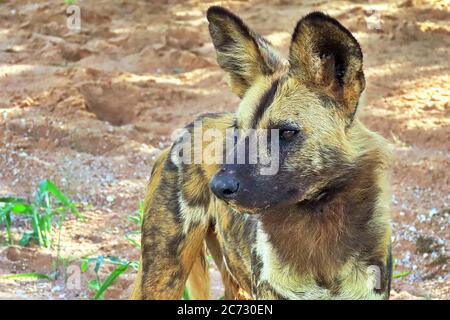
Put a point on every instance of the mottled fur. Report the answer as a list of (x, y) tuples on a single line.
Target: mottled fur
[(311, 230)]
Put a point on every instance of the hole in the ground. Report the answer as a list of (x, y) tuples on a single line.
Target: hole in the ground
[(114, 103)]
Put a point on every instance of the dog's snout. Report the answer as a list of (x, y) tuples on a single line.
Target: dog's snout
[(224, 187)]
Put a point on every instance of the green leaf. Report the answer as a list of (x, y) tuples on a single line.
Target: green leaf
[(22, 208), (84, 265), (114, 260), (48, 186), (5, 217), (94, 284), (111, 278), (135, 265), (133, 218), (35, 226), (98, 263), (26, 275), (141, 212), (12, 200), (186, 294), (401, 274), (26, 237), (128, 236)]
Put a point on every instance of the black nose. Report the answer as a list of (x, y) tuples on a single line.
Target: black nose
[(224, 187)]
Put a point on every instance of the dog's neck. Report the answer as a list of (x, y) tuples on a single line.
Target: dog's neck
[(318, 236)]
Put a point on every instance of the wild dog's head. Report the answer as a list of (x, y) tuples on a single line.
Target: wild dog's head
[(311, 98)]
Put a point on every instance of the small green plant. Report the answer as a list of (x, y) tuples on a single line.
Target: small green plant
[(49, 206), (98, 285), (26, 275), (134, 236), (401, 274), (9, 205), (398, 274), (186, 295)]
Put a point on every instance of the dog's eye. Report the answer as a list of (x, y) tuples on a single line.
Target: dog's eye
[(288, 134)]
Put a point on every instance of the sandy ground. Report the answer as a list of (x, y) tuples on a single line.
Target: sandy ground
[(91, 110)]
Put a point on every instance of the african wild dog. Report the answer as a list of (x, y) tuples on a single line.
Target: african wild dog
[(312, 230)]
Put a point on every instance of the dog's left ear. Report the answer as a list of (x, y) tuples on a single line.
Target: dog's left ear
[(325, 54)]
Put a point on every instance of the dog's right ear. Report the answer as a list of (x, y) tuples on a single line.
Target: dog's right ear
[(325, 54), (242, 53)]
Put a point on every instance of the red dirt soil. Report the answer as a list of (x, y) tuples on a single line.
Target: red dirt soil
[(90, 110)]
